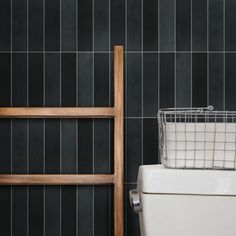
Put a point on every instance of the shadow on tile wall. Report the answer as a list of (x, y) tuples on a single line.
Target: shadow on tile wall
[(59, 53)]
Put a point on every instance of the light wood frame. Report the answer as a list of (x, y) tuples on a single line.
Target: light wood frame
[(117, 178)]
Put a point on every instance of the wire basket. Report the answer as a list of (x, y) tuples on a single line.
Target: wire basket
[(197, 138)]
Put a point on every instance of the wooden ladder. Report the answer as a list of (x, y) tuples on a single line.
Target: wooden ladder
[(116, 112)]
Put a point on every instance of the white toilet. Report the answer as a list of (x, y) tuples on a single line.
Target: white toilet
[(174, 202)]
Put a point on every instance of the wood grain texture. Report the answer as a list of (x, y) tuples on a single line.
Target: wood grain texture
[(55, 179), (118, 142), (57, 112)]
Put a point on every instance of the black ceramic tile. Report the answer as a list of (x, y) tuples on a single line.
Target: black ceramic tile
[(167, 80), (52, 25), (19, 25), (183, 25), (230, 21), (134, 25), (216, 80), (85, 210), (133, 148), (230, 82), (150, 141), (101, 25), (183, 80), (132, 221), (199, 80), (19, 210), (199, 25), (117, 22), (216, 20), (150, 25), (150, 84), (85, 25), (68, 211), (5, 25), (101, 211), (35, 24), (134, 85), (167, 25), (68, 25)]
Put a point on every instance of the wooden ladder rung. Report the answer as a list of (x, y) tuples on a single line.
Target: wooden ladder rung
[(57, 112), (56, 179)]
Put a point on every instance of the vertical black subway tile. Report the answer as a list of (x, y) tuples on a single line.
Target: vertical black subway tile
[(101, 25), (230, 21), (183, 80), (216, 25), (85, 210), (183, 25), (150, 84), (68, 211), (68, 25), (199, 80), (133, 148), (166, 25), (150, 25), (199, 25), (36, 153), (134, 85), (134, 25), (5, 25), (19, 25), (52, 25), (216, 80), (230, 82), (85, 25), (117, 22), (150, 141), (131, 218), (167, 80), (35, 24), (101, 211)]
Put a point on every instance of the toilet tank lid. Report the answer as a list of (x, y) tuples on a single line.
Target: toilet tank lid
[(158, 179)]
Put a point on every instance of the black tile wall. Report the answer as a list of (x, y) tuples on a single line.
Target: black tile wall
[(60, 53)]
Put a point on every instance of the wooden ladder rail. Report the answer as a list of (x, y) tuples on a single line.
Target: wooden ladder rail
[(116, 112)]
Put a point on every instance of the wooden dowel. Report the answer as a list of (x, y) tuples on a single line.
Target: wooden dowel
[(56, 179), (57, 112)]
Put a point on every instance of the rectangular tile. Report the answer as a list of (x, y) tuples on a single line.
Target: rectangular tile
[(150, 84), (52, 25), (36, 22), (68, 25), (216, 22), (199, 25), (230, 21), (183, 25), (134, 25), (150, 141), (5, 25), (166, 25), (85, 25), (101, 25), (183, 80), (167, 80), (133, 147), (19, 25), (230, 83), (199, 80), (134, 85), (216, 80), (117, 22), (150, 25)]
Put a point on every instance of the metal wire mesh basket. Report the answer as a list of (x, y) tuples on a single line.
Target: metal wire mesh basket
[(197, 138)]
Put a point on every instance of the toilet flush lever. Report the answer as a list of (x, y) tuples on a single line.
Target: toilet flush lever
[(135, 200)]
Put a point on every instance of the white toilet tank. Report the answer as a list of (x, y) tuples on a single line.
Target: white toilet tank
[(176, 202)]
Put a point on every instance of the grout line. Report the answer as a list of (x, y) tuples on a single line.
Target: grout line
[(175, 79), (158, 65), (191, 49), (208, 59), (224, 21), (142, 73)]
